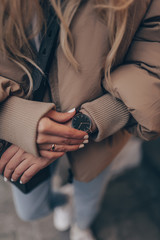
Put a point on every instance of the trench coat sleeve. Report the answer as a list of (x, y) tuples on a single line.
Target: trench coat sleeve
[(18, 117), (136, 85)]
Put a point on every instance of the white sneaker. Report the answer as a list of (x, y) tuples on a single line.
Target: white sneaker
[(78, 234), (63, 215)]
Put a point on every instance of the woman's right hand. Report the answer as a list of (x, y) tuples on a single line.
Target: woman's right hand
[(52, 129)]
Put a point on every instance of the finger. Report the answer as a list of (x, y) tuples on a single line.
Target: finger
[(48, 127), (61, 117), (63, 148), (13, 164), (29, 173), (59, 140), (36, 167), (7, 155), (52, 156), (21, 168)]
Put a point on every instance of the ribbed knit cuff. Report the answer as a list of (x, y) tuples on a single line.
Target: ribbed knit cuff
[(108, 114), (18, 122)]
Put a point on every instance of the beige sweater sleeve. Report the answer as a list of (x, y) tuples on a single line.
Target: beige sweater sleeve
[(108, 115), (19, 119)]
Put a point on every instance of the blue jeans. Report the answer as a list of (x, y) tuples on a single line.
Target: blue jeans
[(42, 200)]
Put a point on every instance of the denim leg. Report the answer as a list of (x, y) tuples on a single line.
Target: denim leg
[(38, 203), (33, 205), (88, 197)]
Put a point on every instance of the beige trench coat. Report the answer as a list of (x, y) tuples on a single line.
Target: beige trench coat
[(135, 80)]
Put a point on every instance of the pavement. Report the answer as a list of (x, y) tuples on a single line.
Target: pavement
[(130, 209)]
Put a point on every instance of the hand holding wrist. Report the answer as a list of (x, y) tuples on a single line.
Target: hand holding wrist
[(53, 129)]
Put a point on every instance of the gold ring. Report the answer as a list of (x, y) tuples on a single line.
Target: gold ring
[(52, 149)]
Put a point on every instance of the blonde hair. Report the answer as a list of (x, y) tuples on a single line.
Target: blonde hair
[(16, 28)]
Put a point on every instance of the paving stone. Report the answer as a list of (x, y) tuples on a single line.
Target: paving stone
[(151, 150), (8, 236)]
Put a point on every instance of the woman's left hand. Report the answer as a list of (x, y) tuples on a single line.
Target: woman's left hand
[(16, 163)]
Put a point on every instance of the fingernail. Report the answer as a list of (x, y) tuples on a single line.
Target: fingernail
[(12, 180), (81, 146), (21, 182), (5, 179), (72, 110), (85, 141), (86, 137)]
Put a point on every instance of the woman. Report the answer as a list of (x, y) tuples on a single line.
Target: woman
[(87, 73)]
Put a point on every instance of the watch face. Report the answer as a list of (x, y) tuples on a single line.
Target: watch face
[(81, 122)]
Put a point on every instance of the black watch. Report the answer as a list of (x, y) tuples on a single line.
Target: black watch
[(82, 122)]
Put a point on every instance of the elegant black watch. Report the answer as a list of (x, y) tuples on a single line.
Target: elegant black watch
[(82, 122)]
